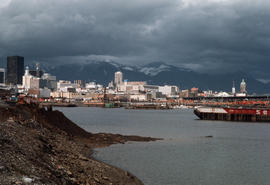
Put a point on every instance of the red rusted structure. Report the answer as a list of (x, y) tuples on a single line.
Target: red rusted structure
[(233, 114)]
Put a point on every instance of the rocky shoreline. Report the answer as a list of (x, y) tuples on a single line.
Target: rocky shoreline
[(40, 146)]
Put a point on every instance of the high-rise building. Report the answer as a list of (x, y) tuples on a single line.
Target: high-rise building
[(243, 86), (118, 78), (233, 89), (2, 76), (27, 79), (49, 81), (15, 69)]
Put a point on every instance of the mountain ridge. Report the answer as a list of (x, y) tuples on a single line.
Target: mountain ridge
[(157, 73)]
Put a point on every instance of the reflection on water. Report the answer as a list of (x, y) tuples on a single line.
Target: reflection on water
[(238, 153)]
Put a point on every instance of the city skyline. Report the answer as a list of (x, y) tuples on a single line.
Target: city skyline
[(37, 83), (119, 79)]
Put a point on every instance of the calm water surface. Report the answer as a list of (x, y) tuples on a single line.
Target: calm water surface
[(238, 154)]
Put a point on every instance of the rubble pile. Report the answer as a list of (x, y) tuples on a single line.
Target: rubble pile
[(44, 147)]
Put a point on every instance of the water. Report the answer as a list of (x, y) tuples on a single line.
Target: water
[(238, 153)]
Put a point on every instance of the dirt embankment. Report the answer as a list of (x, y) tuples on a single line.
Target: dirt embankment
[(44, 147)]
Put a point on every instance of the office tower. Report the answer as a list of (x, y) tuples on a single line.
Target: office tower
[(118, 78), (15, 69)]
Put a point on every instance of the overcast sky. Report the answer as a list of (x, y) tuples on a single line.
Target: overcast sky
[(204, 35)]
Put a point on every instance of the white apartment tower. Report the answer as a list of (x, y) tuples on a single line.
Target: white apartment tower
[(27, 79), (243, 86), (118, 78), (233, 89)]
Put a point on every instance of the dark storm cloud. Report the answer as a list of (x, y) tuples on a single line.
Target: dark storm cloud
[(198, 34)]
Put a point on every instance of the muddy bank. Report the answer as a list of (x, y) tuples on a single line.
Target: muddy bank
[(44, 147)]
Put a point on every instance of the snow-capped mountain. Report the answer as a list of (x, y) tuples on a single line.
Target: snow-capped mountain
[(153, 70), (155, 73)]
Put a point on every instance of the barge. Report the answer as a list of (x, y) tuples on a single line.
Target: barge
[(233, 114), (148, 106)]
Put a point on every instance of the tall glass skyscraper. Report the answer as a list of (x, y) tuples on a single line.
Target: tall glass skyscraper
[(15, 69)]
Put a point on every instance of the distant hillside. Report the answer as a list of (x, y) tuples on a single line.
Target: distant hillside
[(157, 73)]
